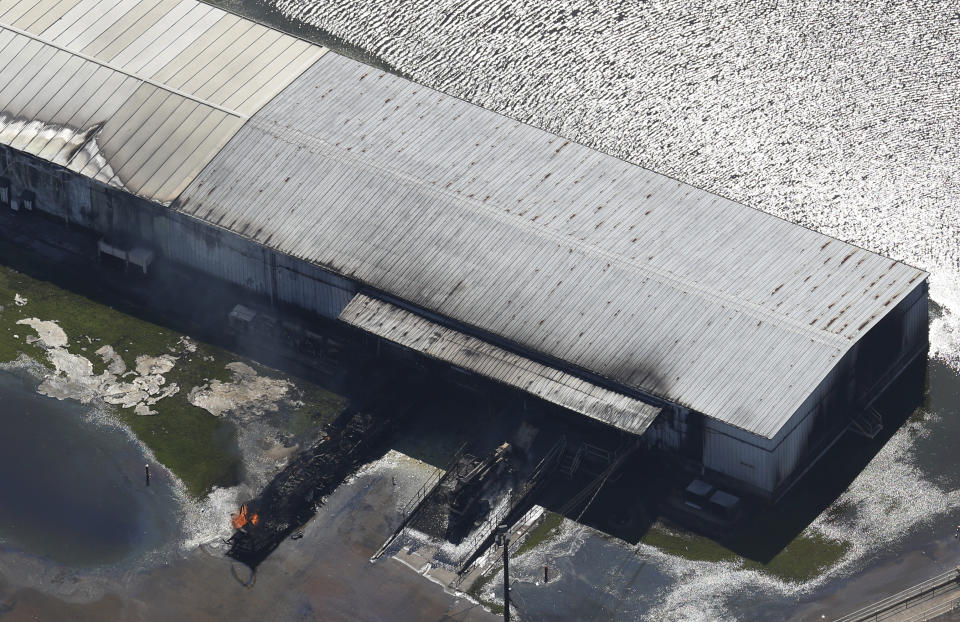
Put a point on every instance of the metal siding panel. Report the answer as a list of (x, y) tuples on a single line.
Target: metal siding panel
[(7, 5), (215, 131), (151, 126), (88, 102), (191, 27), (108, 50), (115, 31), (724, 453), (95, 18), (220, 57), (291, 56), (9, 38), (39, 18), (245, 64), (15, 12), (98, 101), (193, 55), (22, 57), (128, 119), (77, 13), (68, 81), (167, 142), (153, 37), (40, 83)]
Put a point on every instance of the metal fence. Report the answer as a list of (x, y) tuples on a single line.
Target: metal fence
[(902, 601), (415, 502)]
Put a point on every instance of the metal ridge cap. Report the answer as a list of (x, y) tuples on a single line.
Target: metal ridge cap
[(130, 74)]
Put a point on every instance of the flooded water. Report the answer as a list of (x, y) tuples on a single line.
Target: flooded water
[(74, 491), (835, 116)]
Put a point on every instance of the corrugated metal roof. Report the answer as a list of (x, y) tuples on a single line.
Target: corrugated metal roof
[(439, 342), (514, 232), (139, 95)]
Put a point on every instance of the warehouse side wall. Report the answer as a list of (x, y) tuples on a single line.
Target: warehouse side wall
[(744, 461), (126, 220), (768, 467)]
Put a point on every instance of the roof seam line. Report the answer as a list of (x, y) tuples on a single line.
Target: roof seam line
[(829, 339), (125, 72)]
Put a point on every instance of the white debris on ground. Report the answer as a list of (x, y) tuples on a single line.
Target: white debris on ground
[(247, 399), (246, 392), (146, 388), (19, 300), (570, 538), (112, 360), (185, 344), (73, 375), (206, 522), (49, 333), (407, 474), (441, 553)]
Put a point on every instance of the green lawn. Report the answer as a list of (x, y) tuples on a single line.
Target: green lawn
[(545, 530), (198, 447), (801, 560), (804, 558)]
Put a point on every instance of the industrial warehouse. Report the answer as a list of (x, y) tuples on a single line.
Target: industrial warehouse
[(737, 341)]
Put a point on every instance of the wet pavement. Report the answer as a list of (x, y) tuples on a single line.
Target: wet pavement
[(325, 575)]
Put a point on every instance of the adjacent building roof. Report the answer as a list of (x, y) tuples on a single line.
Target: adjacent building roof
[(539, 246), (446, 344), (138, 95)]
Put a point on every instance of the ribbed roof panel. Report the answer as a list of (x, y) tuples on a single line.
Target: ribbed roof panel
[(135, 94)]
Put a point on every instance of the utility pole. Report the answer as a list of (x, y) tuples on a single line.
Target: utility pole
[(505, 543)]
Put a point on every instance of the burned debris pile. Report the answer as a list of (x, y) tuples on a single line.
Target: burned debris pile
[(463, 498), (454, 521), (294, 495), (472, 490)]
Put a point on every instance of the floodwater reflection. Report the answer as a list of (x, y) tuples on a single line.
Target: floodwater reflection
[(73, 491)]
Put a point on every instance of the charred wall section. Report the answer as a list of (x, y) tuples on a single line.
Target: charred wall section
[(679, 431)]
